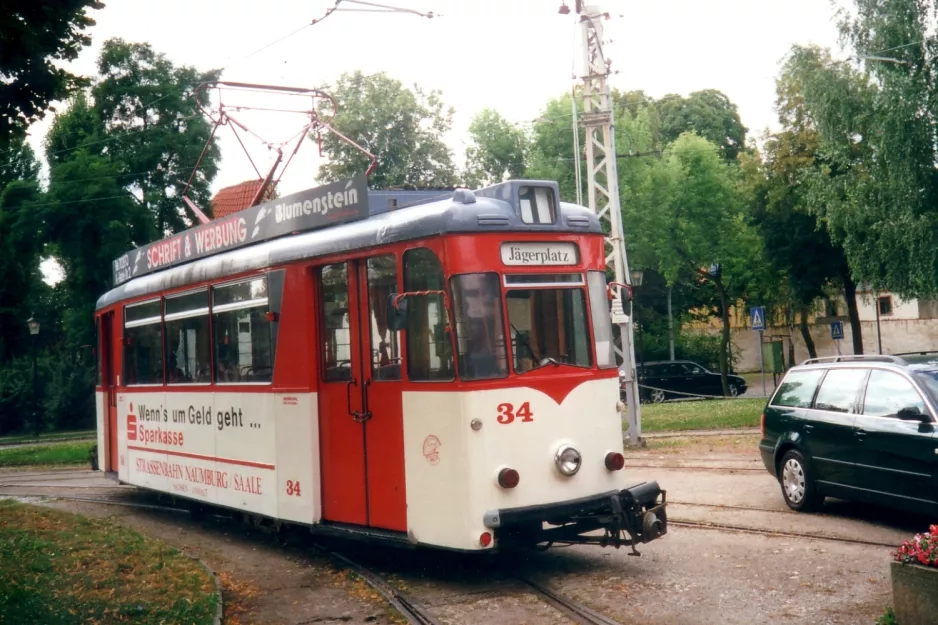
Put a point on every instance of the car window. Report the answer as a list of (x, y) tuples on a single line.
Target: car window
[(887, 393), (694, 369), (673, 370), (797, 390), (838, 392)]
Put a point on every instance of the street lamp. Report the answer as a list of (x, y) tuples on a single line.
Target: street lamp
[(33, 325), (637, 275)]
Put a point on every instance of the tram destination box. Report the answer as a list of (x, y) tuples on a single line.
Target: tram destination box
[(320, 207)]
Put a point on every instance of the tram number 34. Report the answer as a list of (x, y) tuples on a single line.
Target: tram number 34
[(507, 413), (293, 488)]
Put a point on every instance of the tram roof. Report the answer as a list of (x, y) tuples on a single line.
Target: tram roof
[(492, 209)]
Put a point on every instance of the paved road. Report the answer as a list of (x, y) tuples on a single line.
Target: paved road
[(689, 577)]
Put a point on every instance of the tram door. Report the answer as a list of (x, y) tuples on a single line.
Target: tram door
[(110, 393), (360, 405)]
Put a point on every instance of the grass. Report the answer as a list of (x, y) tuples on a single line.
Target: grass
[(62, 568), (46, 454), (44, 436), (702, 415)]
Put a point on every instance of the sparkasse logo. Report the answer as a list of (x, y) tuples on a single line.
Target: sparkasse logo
[(131, 425)]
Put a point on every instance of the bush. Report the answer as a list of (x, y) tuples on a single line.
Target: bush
[(65, 389), (69, 397), (15, 395)]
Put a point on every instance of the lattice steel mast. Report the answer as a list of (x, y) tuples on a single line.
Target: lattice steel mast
[(602, 185)]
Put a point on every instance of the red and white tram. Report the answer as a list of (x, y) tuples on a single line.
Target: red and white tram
[(441, 374)]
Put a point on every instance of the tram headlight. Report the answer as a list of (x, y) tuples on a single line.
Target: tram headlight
[(568, 460)]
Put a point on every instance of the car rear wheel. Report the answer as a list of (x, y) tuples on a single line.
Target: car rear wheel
[(656, 396), (797, 483)]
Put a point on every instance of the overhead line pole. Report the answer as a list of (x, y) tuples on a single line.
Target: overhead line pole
[(602, 185)]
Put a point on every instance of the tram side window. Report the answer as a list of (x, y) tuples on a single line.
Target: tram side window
[(336, 324), (243, 350), (385, 344), (429, 351), (480, 329), (188, 344), (143, 343)]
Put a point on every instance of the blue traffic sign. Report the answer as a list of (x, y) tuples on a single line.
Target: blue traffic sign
[(757, 317), (837, 330)]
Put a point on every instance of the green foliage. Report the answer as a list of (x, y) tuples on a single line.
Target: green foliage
[(69, 396), (36, 35), (877, 127), (15, 395), (65, 392), (403, 127), (551, 153), (497, 150), (155, 130), (888, 617), (689, 216), (20, 246), (710, 114)]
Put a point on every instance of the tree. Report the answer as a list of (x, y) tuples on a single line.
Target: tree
[(19, 260), (17, 162), (90, 217), (404, 128), (691, 215), (155, 131), (793, 235), (710, 114), (34, 36), (497, 150), (877, 123)]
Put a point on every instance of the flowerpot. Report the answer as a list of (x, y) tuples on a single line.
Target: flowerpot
[(914, 594)]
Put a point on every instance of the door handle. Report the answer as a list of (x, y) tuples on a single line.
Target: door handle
[(808, 427), (348, 396), (366, 412), (860, 434)]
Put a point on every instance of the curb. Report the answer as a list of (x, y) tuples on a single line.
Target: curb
[(219, 606), (700, 433)]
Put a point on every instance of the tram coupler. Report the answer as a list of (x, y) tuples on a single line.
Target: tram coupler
[(638, 512)]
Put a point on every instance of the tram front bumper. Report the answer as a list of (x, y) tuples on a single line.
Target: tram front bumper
[(638, 512)]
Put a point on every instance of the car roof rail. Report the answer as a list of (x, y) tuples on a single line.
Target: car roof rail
[(857, 357)]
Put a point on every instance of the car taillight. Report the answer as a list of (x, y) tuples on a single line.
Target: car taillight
[(762, 425), (508, 478), (615, 461)]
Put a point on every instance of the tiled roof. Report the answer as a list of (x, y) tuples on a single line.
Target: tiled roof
[(236, 198)]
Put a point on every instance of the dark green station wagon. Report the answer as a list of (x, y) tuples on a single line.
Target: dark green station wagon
[(856, 427)]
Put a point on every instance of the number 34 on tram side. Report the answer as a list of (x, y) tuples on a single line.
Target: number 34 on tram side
[(440, 374)]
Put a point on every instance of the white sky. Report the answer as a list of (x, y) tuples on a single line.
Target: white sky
[(510, 55)]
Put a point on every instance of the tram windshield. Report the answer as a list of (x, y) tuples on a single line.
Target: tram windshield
[(548, 326)]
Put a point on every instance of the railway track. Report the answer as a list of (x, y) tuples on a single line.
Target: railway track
[(742, 529), (414, 611), (679, 467)]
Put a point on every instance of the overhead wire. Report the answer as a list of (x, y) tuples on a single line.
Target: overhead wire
[(147, 105)]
